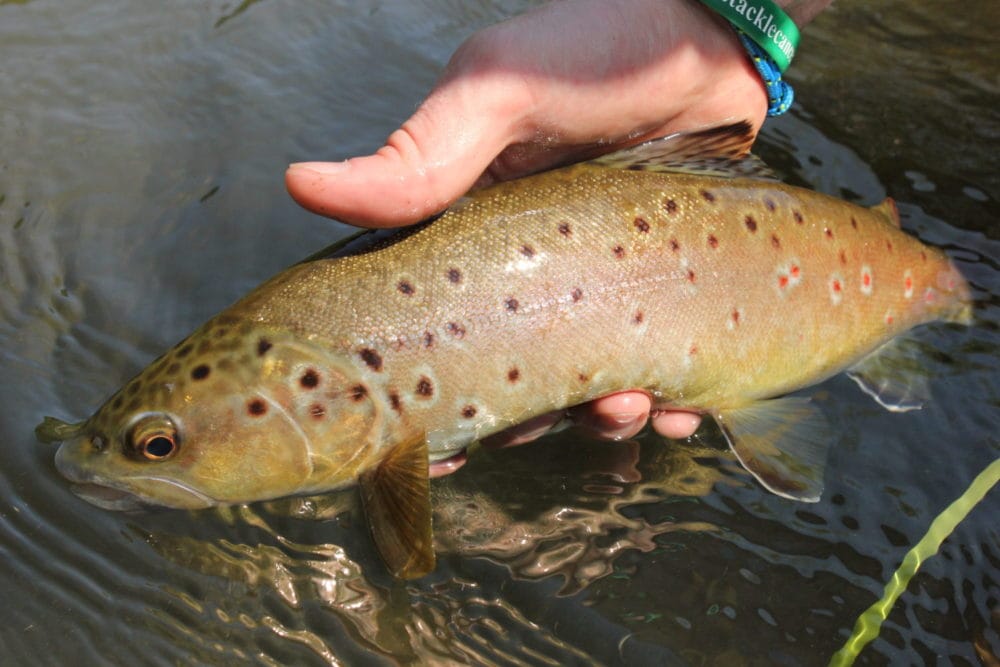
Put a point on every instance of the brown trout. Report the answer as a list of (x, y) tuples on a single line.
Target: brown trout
[(675, 267)]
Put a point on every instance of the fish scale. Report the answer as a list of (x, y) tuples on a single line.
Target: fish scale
[(663, 268)]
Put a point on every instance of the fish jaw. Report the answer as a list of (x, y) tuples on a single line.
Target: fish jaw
[(122, 493)]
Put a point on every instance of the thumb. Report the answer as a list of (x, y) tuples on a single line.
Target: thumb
[(425, 165)]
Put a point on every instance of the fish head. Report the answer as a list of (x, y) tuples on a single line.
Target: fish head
[(234, 413)]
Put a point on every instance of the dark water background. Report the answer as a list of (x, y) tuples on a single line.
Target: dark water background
[(142, 147)]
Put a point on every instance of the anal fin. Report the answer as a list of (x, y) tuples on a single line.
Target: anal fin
[(396, 496), (783, 442), (895, 375)]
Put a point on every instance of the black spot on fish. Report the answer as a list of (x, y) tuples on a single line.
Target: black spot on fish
[(843, 257), (428, 339), (708, 196), (564, 229), (583, 377), (888, 245), (769, 203), (309, 379), (511, 304), (405, 287), (221, 332), (527, 251), (675, 245), (454, 275), (263, 345), (641, 225), (257, 407), (828, 232), (775, 241), (690, 275), (200, 372), (923, 256), (798, 217), (455, 329), (469, 411), (317, 411), (736, 317), (513, 375), (132, 387), (372, 358), (638, 317), (185, 350), (854, 222), (173, 368), (618, 251), (358, 392), (576, 294), (750, 223), (395, 401), (424, 387), (118, 402), (713, 241), (670, 205)]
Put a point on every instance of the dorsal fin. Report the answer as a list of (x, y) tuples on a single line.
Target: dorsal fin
[(720, 151), (887, 208)]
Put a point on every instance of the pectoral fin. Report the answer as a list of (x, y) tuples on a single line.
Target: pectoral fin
[(895, 375), (782, 442), (396, 495)]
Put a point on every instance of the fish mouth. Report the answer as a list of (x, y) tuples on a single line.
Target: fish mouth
[(124, 494)]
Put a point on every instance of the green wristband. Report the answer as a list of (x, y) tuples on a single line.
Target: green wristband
[(763, 22)]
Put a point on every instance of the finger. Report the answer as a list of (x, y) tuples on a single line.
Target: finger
[(615, 417), (431, 161), (448, 465), (526, 432), (676, 424)]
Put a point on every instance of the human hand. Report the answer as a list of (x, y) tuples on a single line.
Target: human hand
[(566, 81)]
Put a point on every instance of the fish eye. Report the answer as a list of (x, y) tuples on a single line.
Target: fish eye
[(154, 438)]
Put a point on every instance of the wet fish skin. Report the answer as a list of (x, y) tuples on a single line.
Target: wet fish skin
[(710, 293)]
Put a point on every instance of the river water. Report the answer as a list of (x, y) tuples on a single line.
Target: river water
[(143, 147)]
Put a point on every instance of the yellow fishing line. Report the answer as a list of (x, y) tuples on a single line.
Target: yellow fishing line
[(866, 628)]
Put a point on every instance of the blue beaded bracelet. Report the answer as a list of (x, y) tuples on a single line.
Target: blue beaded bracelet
[(779, 91)]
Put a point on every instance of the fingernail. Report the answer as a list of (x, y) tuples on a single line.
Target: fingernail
[(324, 168)]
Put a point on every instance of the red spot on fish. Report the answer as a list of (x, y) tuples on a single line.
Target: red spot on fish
[(316, 411), (693, 350), (257, 407), (358, 392), (309, 379), (564, 229), (929, 295), (513, 375), (690, 275), (200, 372), (670, 205), (455, 329), (527, 251), (836, 286), (794, 271), (511, 304), (713, 242), (775, 241), (371, 358), (750, 223), (405, 287), (769, 203), (576, 294), (674, 245), (908, 283), (707, 195), (618, 251), (424, 387), (782, 281), (888, 318), (798, 217), (866, 280), (828, 232), (641, 225), (455, 276), (469, 411)]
